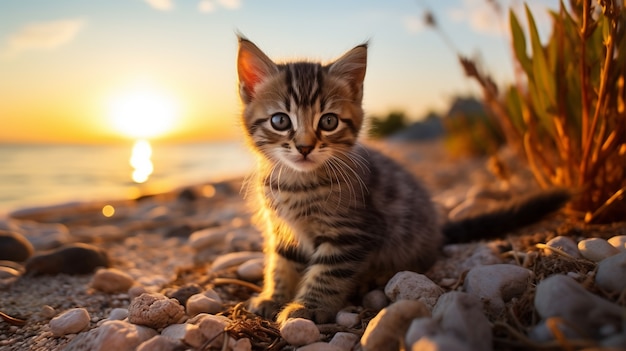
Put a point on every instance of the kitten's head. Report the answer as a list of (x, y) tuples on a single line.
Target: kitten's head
[(301, 114)]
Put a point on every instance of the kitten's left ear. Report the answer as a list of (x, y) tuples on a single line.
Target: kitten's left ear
[(253, 66), (351, 66)]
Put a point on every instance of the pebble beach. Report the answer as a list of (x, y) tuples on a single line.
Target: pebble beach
[(170, 271)]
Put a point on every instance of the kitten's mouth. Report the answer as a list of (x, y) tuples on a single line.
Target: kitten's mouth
[(304, 164)]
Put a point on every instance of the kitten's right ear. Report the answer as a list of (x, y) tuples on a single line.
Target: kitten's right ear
[(253, 66)]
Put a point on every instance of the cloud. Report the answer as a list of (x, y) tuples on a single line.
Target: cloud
[(413, 24), (208, 6), (161, 5), (43, 36)]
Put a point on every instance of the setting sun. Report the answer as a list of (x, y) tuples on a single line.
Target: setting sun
[(143, 113)]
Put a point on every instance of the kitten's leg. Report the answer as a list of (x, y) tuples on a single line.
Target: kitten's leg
[(281, 277), (327, 283)]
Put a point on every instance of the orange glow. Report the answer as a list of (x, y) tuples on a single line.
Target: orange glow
[(141, 162)]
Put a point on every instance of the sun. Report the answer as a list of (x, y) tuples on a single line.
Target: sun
[(143, 112)]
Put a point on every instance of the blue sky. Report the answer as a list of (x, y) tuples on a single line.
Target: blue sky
[(61, 60)]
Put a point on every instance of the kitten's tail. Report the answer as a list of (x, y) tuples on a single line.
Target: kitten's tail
[(511, 215)]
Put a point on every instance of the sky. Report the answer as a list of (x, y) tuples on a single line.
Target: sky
[(75, 71)]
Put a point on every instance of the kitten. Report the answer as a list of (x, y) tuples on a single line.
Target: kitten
[(336, 214)]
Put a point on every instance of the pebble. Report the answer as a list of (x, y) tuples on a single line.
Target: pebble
[(596, 249), (243, 344), (70, 322), (344, 341), (47, 311), (118, 314), (112, 335), (251, 270), (208, 237), (201, 303), (70, 259), (9, 272), (208, 327), (160, 343), (390, 325), (420, 328), (111, 280), (14, 247), (44, 236), (561, 296), (408, 285), (565, 244), (439, 343), (348, 319), (611, 274), (496, 284), (234, 259), (375, 300), (154, 310), (183, 293), (176, 331), (299, 331), (319, 346), (618, 242)]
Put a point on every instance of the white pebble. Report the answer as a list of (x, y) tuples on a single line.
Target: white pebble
[(200, 303), (390, 325), (344, 341), (176, 331), (159, 343), (408, 285), (375, 300), (242, 345), (70, 322), (596, 249), (611, 274), (112, 335), (461, 315), (154, 311), (118, 314), (440, 343), (194, 337), (319, 346), (47, 311), (111, 280), (251, 270), (496, 284), (299, 331), (210, 326), (618, 242), (348, 319), (419, 328), (204, 238), (565, 244), (233, 259)]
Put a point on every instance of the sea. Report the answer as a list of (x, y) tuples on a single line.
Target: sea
[(42, 175)]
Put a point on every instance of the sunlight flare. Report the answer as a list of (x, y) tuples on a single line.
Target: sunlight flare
[(141, 162)]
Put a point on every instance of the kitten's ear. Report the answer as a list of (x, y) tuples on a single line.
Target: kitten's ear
[(351, 66), (253, 66)]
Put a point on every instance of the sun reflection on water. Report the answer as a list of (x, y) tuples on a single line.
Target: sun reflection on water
[(141, 162)]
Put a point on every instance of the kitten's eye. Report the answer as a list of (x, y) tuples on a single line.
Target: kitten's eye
[(280, 122), (329, 122)]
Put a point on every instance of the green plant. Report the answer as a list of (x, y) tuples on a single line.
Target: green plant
[(382, 127), (567, 117)]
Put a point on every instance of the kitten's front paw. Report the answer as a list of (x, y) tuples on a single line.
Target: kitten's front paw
[(298, 310), (264, 307)]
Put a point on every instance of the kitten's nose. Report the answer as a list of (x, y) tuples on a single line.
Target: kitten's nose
[(304, 149)]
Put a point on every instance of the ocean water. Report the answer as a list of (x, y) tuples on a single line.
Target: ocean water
[(42, 175)]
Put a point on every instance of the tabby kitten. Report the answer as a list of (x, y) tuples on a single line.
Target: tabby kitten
[(336, 214)]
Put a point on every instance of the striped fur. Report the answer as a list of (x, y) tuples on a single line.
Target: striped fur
[(339, 215)]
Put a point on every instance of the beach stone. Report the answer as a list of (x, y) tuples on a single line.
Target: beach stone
[(319, 346), (565, 244), (70, 259), (251, 270), (70, 322), (111, 335), (47, 312), (299, 331), (183, 293), (234, 259), (14, 247), (375, 300), (118, 314), (561, 296), (243, 344), (348, 319), (596, 249), (390, 325), (177, 331), (111, 280), (419, 328), (201, 239), (461, 315), (208, 327), (496, 284), (161, 343), (154, 310), (201, 303), (611, 274), (541, 333), (44, 236), (9, 272), (439, 343), (618, 242), (408, 285), (344, 341), (241, 239)]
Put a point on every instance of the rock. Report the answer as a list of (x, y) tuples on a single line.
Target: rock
[(496, 284), (348, 319), (386, 330), (154, 311), (111, 280), (194, 337), (618, 242), (375, 300), (413, 286), (242, 345), (118, 314), (460, 315), (299, 331), (439, 343), (44, 236), (14, 247), (161, 343), (319, 346), (9, 272), (203, 328), (251, 270), (111, 335), (565, 244), (47, 312), (344, 341), (420, 328), (183, 293), (241, 240), (233, 259), (70, 259), (561, 296), (208, 237), (70, 322), (596, 249), (176, 331), (201, 303), (611, 274)]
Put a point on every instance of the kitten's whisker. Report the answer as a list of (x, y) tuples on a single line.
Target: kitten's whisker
[(358, 177)]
